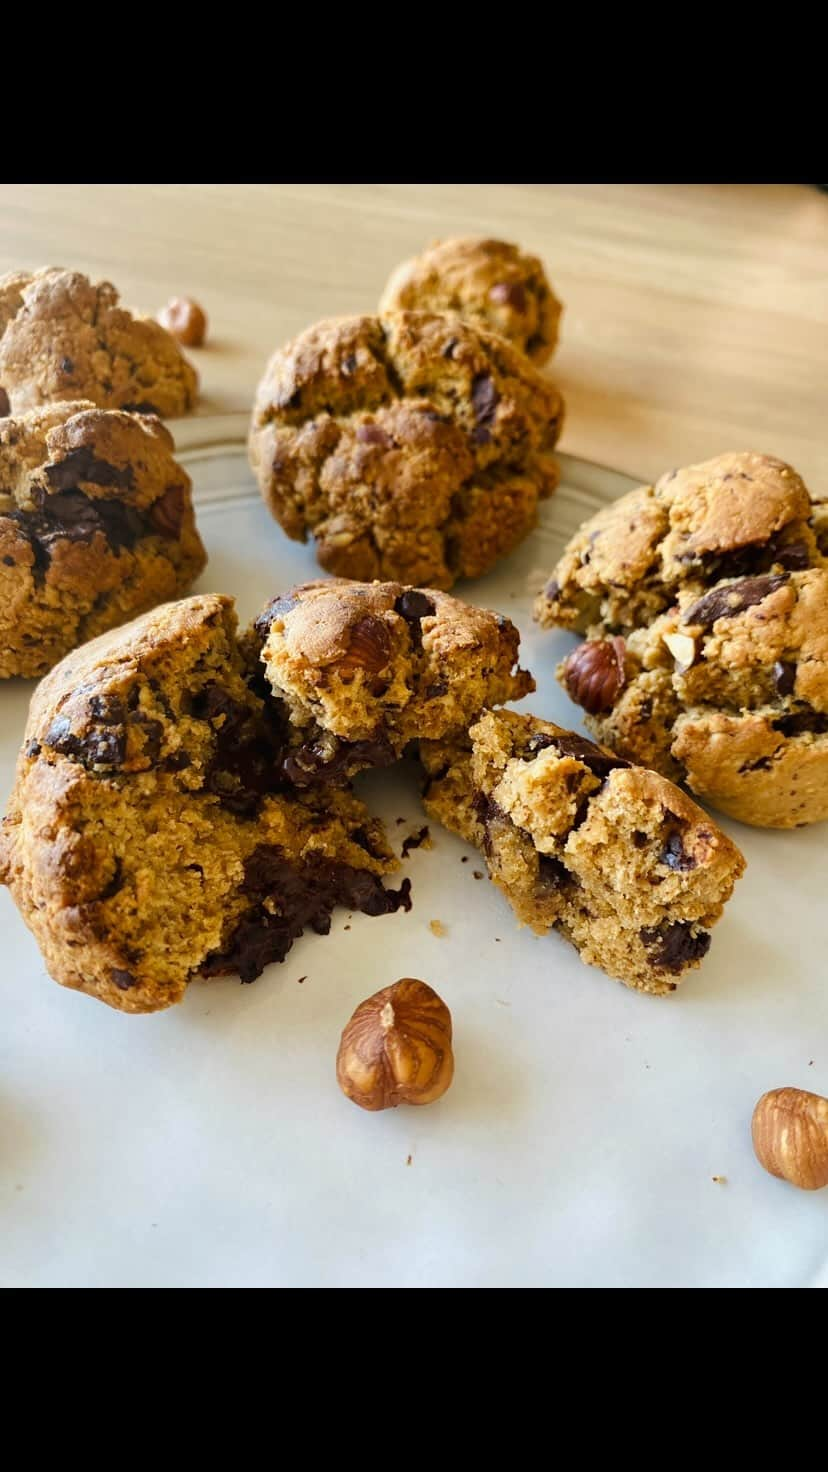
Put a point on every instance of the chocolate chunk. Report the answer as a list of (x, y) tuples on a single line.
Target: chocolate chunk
[(277, 608), (674, 944), (673, 853), (600, 762), (84, 464), (349, 364), (123, 979), (100, 746), (303, 893), (8, 562), (167, 513), (107, 710), (552, 589), (733, 598), (784, 677), (448, 350), (67, 365), (75, 517), (485, 399), (33, 749), (414, 840), (801, 721), (640, 840), (143, 408), (315, 761), (414, 606), (509, 293), (535, 343), (5, 406), (433, 692), (371, 434), (248, 751)]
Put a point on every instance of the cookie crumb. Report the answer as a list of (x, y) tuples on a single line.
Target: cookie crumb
[(399, 821), (720, 1180), (409, 1160), (478, 874), (497, 940), (300, 979), (502, 1004), (421, 839), (346, 927), (437, 928)]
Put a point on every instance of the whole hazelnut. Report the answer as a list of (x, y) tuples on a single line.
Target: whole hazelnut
[(369, 648), (790, 1137), (594, 674), (396, 1049), (185, 320)]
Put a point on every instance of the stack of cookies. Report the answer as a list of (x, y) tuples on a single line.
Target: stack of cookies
[(184, 803)]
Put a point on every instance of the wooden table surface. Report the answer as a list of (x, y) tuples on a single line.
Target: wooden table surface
[(695, 319)]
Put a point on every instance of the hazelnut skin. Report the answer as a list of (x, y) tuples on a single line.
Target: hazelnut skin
[(185, 320), (790, 1137), (396, 1049)]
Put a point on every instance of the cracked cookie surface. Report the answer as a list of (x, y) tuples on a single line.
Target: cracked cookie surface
[(147, 842), (739, 514), (728, 692), (412, 447), (618, 860), (64, 337), (364, 669), (489, 283), (96, 525)]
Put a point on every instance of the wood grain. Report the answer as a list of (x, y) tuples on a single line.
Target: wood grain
[(695, 319)]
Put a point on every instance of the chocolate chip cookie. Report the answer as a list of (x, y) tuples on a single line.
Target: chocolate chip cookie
[(63, 337), (728, 692), (490, 283), (737, 515), (364, 669), (412, 447), (96, 525), (614, 857), (147, 840)]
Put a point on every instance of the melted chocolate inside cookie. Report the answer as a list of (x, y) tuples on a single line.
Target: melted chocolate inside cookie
[(290, 896), (70, 515), (674, 944)]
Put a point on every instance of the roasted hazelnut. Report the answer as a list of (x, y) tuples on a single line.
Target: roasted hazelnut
[(790, 1137), (594, 674), (396, 1049), (369, 648), (5, 406), (185, 320)]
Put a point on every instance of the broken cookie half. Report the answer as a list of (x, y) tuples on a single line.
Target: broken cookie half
[(613, 856), (150, 838), (362, 670)]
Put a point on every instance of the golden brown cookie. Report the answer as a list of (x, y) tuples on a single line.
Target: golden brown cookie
[(96, 525), (614, 857), (728, 692), (737, 515), (364, 669), (147, 841), (63, 337), (489, 283), (413, 448)]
